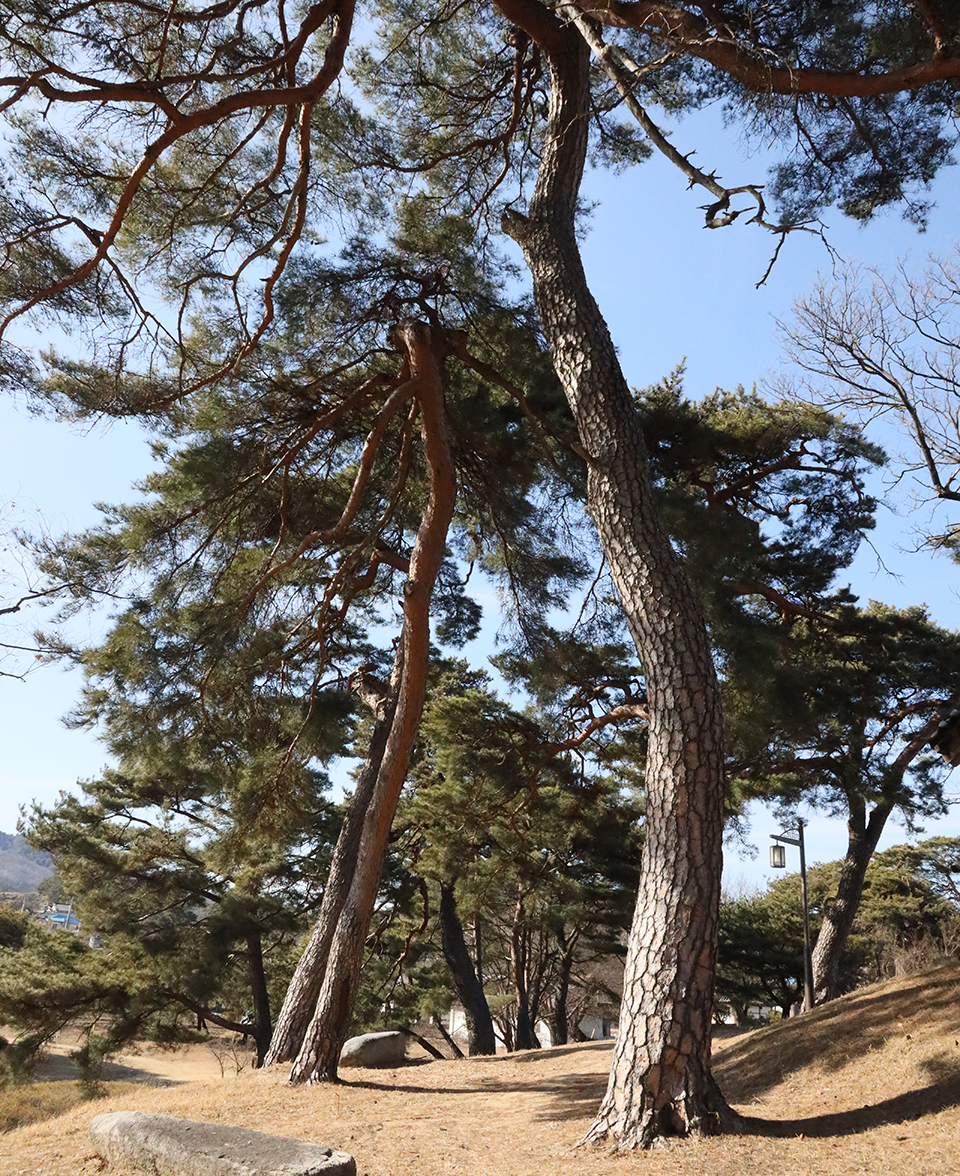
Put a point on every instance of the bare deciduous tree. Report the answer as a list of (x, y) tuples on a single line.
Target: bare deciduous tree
[(889, 347)]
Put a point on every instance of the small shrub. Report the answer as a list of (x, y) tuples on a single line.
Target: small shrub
[(950, 936), (230, 1053), (917, 956), (90, 1058)]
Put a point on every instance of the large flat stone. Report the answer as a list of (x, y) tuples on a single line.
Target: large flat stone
[(164, 1146)]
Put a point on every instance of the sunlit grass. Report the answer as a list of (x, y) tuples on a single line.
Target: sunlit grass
[(35, 1102)]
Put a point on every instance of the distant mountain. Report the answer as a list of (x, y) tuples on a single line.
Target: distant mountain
[(22, 869)]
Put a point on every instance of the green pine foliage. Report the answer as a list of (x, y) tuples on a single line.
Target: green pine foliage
[(908, 917), (541, 847)]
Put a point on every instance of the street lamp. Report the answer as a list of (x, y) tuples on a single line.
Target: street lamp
[(778, 859)]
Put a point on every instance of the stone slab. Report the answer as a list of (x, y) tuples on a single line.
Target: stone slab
[(162, 1145), (375, 1050)]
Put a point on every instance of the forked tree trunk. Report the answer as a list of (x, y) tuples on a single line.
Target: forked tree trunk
[(481, 1038), (838, 918), (660, 1081), (559, 1020), (525, 1037), (862, 838), (301, 997), (320, 1051)]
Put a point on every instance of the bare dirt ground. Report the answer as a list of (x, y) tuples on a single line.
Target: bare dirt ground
[(870, 1084)]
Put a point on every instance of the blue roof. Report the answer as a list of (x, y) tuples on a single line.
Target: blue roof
[(61, 918)]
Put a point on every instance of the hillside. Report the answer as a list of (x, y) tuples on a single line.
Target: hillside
[(869, 1084), (22, 869)]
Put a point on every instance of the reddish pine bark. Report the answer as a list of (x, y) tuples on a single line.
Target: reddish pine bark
[(320, 1051)]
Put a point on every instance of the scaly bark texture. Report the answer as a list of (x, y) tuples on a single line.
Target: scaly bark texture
[(320, 1051), (481, 1037), (660, 1081)]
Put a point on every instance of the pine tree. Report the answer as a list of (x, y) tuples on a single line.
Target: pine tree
[(537, 849), (208, 147), (207, 844), (858, 694), (293, 508)]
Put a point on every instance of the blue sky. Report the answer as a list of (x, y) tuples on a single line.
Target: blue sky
[(670, 290)]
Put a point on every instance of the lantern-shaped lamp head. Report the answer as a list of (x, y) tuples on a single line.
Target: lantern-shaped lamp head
[(778, 857)]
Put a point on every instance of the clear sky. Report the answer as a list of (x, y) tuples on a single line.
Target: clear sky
[(670, 290)]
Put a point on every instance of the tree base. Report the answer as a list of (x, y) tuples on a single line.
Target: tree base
[(305, 1074), (317, 1078), (642, 1124)]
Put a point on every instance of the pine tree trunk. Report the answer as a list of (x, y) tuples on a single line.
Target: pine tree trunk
[(301, 996), (660, 1081), (320, 1051), (481, 1038), (478, 947), (525, 1037), (262, 1028), (559, 1023), (535, 981), (838, 918)]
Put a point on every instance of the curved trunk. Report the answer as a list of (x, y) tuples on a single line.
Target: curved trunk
[(320, 1051), (862, 838), (838, 918), (660, 1080), (480, 1035), (301, 996)]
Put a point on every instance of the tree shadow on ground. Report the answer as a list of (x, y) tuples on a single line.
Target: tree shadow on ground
[(561, 1051), (901, 1108), (828, 1039), (577, 1096), (60, 1068), (836, 1034), (572, 1095)]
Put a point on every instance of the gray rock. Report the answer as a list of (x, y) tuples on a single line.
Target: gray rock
[(164, 1146), (375, 1050)]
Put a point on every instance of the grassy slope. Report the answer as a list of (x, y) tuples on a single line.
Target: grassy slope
[(869, 1084)]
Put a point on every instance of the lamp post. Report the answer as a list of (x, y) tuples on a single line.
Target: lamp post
[(778, 859)]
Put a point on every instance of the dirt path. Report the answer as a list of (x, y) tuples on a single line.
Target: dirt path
[(148, 1063)]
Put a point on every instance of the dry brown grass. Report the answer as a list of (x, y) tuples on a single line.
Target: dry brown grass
[(870, 1084), (36, 1103)]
